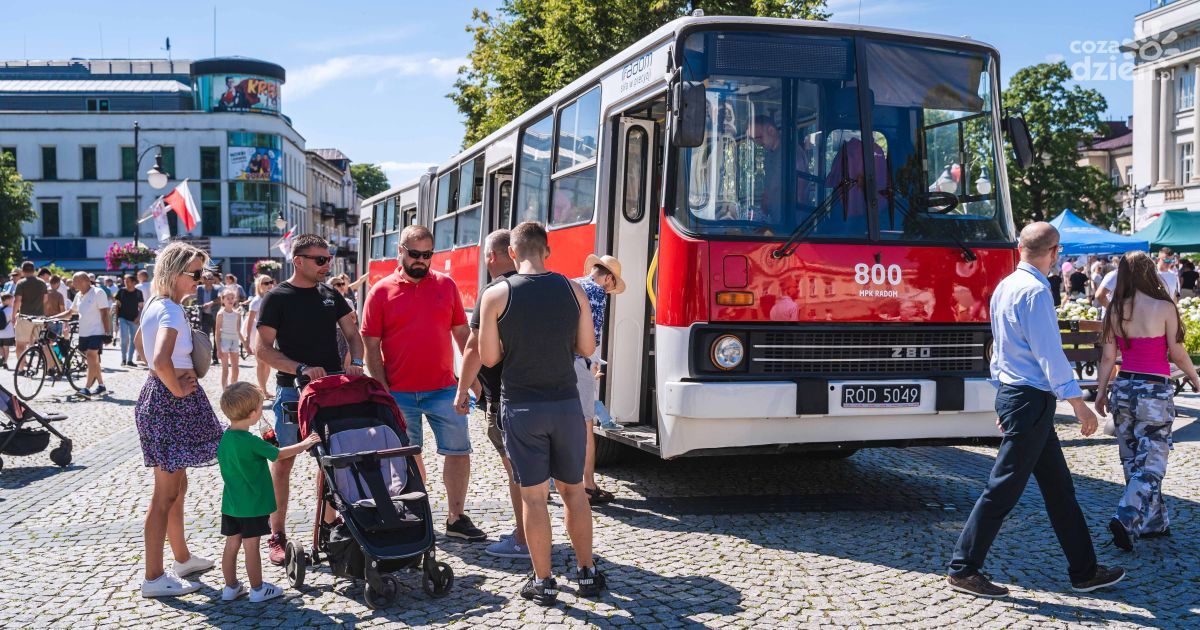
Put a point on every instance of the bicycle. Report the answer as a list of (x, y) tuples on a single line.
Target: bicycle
[(52, 355)]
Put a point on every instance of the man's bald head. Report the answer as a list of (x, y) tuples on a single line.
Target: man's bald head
[(1038, 237)]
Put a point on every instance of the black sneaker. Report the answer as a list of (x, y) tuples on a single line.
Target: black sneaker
[(541, 592), (589, 581), (1104, 577), (100, 389), (463, 528), (1121, 539), (977, 584)]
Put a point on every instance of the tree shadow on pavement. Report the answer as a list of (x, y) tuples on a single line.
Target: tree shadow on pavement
[(904, 509)]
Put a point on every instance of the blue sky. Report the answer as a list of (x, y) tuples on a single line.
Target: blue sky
[(370, 78)]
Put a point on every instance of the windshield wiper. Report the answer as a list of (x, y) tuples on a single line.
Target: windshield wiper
[(808, 225), (968, 254)]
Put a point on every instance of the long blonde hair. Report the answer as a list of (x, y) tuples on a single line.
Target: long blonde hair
[(258, 284), (171, 261)]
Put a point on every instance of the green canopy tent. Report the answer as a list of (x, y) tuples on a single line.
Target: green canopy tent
[(1177, 229)]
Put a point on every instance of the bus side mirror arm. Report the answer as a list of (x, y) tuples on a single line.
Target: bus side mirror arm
[(687, 114), (1018, 134)]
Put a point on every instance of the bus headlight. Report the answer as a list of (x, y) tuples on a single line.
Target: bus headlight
[(727, 352)]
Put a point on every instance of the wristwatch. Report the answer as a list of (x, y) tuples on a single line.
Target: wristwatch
[(356, 362), (300, 367)]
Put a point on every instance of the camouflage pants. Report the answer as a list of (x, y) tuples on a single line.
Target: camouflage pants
[(1143, 412)]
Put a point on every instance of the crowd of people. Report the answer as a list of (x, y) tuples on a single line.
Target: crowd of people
[(1094, 278), (1142, 327), (529, 356)]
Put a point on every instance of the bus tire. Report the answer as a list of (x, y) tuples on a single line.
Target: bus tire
[(609, 452)]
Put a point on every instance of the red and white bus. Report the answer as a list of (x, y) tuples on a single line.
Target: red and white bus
[(788, 289)]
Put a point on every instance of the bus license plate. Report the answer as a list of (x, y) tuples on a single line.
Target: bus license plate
[(859, 396)]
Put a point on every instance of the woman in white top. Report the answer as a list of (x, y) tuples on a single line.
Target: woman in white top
[(175, 422), (262, 284)]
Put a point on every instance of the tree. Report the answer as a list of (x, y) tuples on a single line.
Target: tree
[(532, 48), (15, 209), (1061, 119), (369, 179)]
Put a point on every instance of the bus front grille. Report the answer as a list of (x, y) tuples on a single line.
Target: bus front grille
[(877, 351)]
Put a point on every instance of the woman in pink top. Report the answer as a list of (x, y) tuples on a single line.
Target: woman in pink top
[(1142, 323)]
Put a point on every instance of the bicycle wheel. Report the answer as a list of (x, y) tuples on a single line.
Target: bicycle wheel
[(29, 373), (76, 369)]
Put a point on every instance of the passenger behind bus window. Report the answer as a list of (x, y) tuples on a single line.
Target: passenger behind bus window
[(772, 204)]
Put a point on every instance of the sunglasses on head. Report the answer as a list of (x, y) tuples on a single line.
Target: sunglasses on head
[(418, 254), (320, 260)]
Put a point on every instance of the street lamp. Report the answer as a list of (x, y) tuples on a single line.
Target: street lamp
[(155, 176)]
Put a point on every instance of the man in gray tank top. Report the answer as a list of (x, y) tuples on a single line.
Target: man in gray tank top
[(535, 322)]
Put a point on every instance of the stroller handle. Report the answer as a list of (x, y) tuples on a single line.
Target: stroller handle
[(342, 461), (302, 381)]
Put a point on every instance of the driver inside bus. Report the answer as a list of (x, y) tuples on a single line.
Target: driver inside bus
[(771, 203)]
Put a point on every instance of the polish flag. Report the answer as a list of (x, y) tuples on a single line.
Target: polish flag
[(285, 242), (180, 200)]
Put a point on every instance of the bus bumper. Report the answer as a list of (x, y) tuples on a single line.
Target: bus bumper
[(701, 416)]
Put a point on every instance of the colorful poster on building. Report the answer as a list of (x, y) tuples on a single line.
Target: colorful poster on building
[(237, 93), (255, 164)]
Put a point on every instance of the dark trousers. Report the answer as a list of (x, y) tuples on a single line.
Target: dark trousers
[(1030, 445), (207, 323)]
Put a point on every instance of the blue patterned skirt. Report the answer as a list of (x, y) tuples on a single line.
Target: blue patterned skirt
[(176, 433)]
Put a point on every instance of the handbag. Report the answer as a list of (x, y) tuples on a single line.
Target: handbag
[(201, 353), (1110, 426)]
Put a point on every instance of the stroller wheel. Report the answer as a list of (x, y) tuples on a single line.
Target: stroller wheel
[(381, 599), (295, 561), (437, 579), (61, 456)]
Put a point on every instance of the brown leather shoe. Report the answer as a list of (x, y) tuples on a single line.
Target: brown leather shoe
[(1104, 577), (977, 585)]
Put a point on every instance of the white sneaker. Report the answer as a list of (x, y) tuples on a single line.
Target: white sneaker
[(195, 564), (169, 585), (230, 593), (265, 592)]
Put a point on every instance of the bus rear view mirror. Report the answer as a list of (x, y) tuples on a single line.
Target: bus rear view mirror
[(1018, 134), (688, 116)]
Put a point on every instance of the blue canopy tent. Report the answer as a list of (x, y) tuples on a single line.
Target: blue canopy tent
[(1080, 237)]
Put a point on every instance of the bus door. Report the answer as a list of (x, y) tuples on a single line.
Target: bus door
[(631, 322), (497, 201)]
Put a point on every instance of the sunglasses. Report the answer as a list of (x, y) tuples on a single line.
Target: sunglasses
[(194, 274), (320, 260), (417, 254), (269, 283), (339, 284)]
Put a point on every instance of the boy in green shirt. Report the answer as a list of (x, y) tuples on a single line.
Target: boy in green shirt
[(249, 497)]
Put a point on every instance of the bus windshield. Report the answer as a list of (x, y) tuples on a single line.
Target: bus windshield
[(784, 129)]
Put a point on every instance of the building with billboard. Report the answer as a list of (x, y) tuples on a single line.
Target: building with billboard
[(217, 123), (333, 205)]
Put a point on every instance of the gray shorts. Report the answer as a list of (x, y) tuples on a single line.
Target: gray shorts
[(585, 383), (545, 439)]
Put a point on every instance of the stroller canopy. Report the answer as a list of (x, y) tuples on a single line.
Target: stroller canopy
[(343, 389)]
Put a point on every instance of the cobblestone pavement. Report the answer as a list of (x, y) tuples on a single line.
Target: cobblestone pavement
[(717, 542)]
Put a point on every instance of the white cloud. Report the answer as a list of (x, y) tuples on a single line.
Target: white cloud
[(401, 172), (330, 44), (311, 79)]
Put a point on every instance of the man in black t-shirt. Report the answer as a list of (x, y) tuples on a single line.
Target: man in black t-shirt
[(499, 266), (297, 325), (129, 311), (31, 301), (1078, 280), (1187, 278)]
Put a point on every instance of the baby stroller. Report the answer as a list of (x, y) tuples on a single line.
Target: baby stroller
[(369, 475), (17, 439)]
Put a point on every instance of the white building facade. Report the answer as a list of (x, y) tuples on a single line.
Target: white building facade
[(216, 123), (334, 206), (1167, 136)]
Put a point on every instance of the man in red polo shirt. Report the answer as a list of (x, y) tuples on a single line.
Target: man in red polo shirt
[(408, 320)]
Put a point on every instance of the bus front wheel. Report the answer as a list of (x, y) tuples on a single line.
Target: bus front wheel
[(609, 452)]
